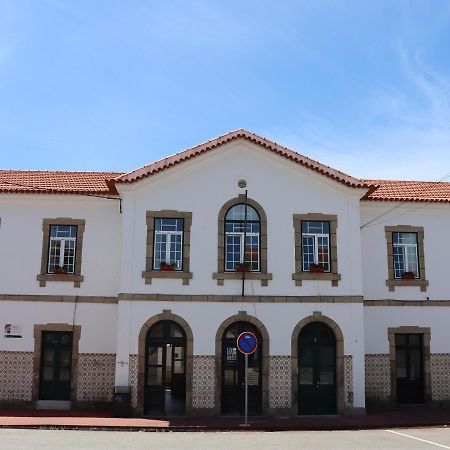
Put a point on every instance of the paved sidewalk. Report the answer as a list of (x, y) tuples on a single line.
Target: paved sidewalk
[(28, 418)]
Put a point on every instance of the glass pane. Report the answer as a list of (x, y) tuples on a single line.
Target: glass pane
[(169, 224), (178, 366), (308, 252), (415, 363), (232, 332), (232, 251), (66, 339), (154, 376), (64, 374), (306, 375), (401, 339), (230, 377), (65, 358), (415, 339), (178, 353), (237, 212), (175, 330), (326, 376), (401, 372), (155, 355), (306, 356), (400, 359), (231, 354), (156, 330), (326, 356), (47, 374), (253, 376), (49, 355)]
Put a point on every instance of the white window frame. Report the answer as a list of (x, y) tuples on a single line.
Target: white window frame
[(316, 237), (168, 235), (62, 248), (241, 246), (404, 252)]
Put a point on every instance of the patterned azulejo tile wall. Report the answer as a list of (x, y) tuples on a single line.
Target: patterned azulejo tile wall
[(440, 376), (203, 382), (96, 373), (280, 382), (348, 381), (16, 376), (133, 378), (378, 378)]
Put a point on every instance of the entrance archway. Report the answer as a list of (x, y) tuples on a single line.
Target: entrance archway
[(165, 360), (229, 395), (317, 355)]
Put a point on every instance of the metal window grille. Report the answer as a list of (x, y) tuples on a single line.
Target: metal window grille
[(316, 244), (236, 251), (168, 243), (62, 248), (406, 256)]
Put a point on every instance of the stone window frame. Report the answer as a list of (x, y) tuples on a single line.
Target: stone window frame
[(37, 356), (340, 379), (299, 276), (76, 277), (392, 282), (149, 273), (165, 315), (242, 316), (221, 275), (426, 352)]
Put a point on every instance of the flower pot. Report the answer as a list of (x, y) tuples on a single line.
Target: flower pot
[(408, 275), (242, 269), (166, 268), (59, 271), (316, 269)]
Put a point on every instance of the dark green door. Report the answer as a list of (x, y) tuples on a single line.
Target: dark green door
[(316, 370), (409, 368), (56, 365), (165, 370), (233, 373)]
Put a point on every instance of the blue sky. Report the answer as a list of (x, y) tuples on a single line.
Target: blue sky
[(363, 86)]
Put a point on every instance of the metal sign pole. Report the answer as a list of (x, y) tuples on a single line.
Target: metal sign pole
[(246, 390)]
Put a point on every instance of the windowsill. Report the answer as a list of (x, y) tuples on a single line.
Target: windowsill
[(222, 276), (76, 279), (402, 282), (316, 276), (168, 275)]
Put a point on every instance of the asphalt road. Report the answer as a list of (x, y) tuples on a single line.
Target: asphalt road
[(417, 438)]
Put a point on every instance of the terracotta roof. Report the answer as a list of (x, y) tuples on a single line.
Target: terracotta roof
[(409, 191), (55, 182), (215, 143)]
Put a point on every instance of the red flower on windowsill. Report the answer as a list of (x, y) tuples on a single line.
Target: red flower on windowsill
[(316, 268), (408, 276), (242, 267), (59, 270), (164, 267)]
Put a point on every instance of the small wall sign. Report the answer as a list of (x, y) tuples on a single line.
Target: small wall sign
[(12, 331)]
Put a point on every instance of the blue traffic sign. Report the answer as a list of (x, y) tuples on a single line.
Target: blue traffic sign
[(247, 343)]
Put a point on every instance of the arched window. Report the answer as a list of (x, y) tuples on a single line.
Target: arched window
[(242, 236)]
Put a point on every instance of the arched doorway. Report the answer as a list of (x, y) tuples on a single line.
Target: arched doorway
[(233, 372), (165, 369), (316, 359)]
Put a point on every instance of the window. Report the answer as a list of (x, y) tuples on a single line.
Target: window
[(238, 228), (316, 255), (316, 245), (168, 245), (168, 249), (62, 248), (406, 258)]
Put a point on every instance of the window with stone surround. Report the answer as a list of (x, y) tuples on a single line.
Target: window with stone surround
[(315, 248), (168, 245), (405, 257), (230, 223), (62, 250)]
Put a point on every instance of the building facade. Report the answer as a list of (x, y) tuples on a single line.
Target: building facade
[(142, 281)]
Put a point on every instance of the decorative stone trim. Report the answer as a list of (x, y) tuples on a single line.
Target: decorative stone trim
[(299, 275), (392, 282), (96, 372), (407, 303), (203, 381), (378, 379), (426, 332), (149, 273), (240, 299), (76, 278), (58, 298), (16, 377), (221, 275), (340, 378), (242, 316), (165, 315), (38, 329)]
